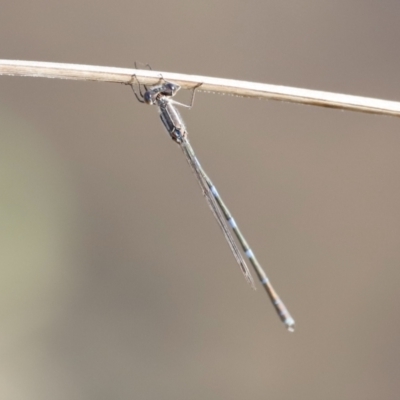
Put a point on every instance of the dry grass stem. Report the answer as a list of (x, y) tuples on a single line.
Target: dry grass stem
[(209, 84)]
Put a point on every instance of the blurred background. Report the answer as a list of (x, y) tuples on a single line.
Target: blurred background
[(116, 282)]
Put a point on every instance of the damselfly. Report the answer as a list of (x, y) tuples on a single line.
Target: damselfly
[(161, 96)]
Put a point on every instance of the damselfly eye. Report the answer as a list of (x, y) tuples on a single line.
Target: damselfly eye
[(171, 88), (148, 98)]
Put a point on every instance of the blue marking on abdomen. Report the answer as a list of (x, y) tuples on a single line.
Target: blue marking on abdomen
[(214, 191), (249, 253), (232, 223)]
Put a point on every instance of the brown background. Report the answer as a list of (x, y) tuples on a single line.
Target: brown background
[(115, 281)]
